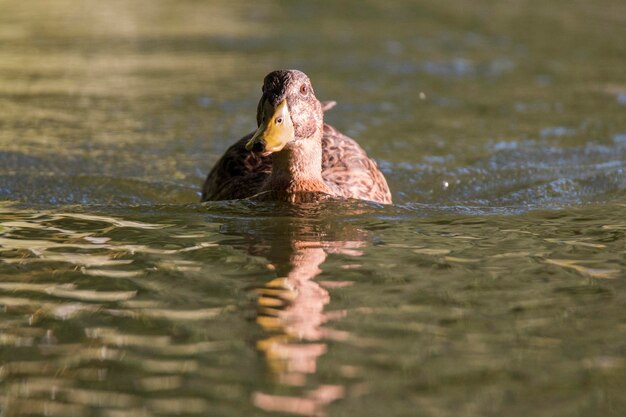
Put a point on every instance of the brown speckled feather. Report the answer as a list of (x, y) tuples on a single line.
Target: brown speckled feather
[(346, 169), (238, 174)]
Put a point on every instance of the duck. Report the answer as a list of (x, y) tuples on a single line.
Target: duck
[(293, 156)]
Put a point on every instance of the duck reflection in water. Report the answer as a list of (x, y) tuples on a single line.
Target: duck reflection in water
[(291, 306)]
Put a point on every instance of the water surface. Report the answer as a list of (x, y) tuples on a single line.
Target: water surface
[(493, 286)]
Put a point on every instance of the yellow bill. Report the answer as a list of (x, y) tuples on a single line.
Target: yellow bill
[(275, 131)]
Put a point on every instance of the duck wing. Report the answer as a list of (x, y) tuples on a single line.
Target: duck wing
[(348, 171), (238, 174)]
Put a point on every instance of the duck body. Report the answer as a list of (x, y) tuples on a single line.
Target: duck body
[(293, 153)]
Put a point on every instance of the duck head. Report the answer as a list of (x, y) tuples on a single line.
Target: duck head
[(287, 112)]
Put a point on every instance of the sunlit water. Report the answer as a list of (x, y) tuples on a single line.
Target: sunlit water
[(494, 286)]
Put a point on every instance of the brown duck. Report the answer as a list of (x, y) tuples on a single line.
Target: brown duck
[(293, 154)]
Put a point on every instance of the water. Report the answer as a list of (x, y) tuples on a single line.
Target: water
[(493, 286)]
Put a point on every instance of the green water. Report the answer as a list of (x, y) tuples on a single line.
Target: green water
[(493, 286)]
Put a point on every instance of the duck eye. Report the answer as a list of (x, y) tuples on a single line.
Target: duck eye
[(303, 89), (279, 120)]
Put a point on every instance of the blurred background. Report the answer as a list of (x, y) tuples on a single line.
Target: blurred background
[(134, 101), (493, 286)]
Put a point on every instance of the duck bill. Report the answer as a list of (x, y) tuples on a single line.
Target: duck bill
[(275, 131)]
